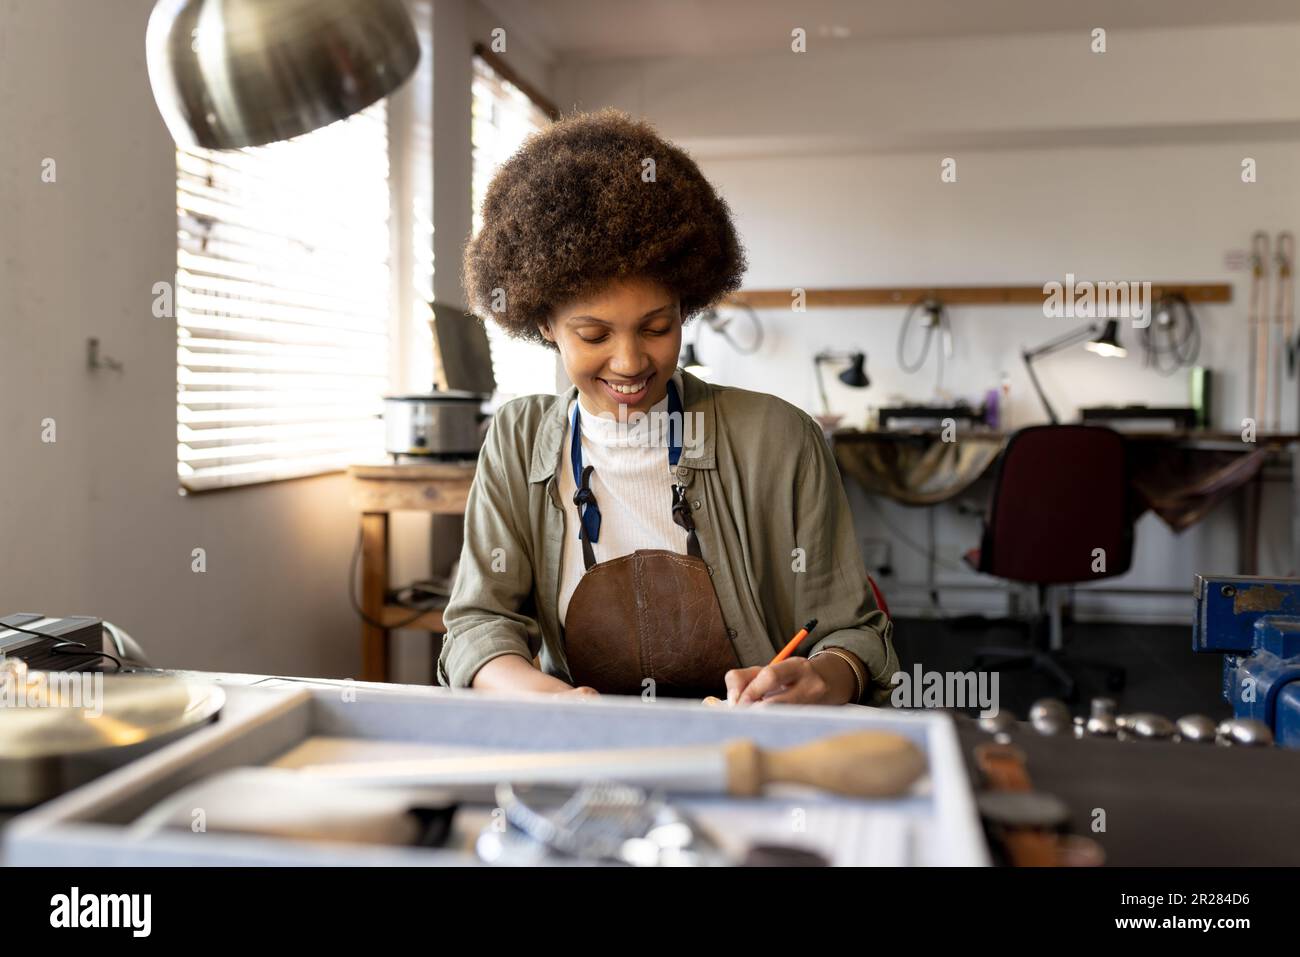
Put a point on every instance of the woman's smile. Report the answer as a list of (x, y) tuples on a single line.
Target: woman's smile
[(628, 391)]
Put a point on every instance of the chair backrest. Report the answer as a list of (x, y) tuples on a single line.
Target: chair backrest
[(1061, 493), (879, 596)]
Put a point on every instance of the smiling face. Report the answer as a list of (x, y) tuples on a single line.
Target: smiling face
[(620, 345)]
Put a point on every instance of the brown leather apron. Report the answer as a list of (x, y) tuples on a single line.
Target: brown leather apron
[(649, 615)]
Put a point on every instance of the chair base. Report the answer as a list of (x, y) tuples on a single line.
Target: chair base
[(1045, 653), (1057, 665)]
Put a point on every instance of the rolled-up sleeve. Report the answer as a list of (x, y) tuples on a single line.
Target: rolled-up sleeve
[(487, 615), (833, 587)]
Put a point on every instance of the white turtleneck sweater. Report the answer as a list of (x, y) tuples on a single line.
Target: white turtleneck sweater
[(633, 486)]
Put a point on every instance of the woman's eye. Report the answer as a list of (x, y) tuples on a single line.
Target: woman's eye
[(594, 340)]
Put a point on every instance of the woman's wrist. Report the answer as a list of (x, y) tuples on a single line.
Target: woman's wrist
[(843, 673), (512, 672)]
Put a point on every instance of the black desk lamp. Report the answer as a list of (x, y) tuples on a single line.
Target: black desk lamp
[(721, 324), (855, 376), (690, 361), (1103, 339)]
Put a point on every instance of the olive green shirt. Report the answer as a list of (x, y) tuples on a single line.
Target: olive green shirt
[(773, 524)]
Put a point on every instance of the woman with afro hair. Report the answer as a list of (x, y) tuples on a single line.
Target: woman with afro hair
[(646, 532)]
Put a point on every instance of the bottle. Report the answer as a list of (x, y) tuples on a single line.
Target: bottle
[(991, 409), (1004, 403)]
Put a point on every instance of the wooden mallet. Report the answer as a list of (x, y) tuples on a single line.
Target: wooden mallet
[(858, 764)]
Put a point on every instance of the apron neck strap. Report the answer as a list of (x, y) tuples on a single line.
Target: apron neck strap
[(585, 499)]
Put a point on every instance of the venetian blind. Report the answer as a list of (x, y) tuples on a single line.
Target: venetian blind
[(282, 304)]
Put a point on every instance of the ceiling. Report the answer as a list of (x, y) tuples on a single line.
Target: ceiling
[(600, 29)]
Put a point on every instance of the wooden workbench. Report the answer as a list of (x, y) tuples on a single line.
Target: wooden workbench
[(376, 490), (1283, 464)]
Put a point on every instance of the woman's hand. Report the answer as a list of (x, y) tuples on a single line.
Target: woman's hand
[(828, 680), (581, 692)]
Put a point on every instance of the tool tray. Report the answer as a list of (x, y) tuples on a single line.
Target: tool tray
[(287, 722)]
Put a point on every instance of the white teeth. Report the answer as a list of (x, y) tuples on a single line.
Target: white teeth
[(627, 389)]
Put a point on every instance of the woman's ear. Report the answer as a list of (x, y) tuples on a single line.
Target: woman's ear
[(544, 327)]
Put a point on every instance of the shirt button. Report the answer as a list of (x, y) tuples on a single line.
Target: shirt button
[(695, 504), (710, 568), (731, 633), (683, 473)]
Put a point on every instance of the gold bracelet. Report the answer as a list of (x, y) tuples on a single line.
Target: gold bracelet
[(858, 679)]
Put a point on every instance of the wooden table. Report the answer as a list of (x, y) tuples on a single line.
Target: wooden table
[(1283, 465), (376, 490)]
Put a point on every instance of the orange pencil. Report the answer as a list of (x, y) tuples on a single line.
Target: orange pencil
[(794, 642)]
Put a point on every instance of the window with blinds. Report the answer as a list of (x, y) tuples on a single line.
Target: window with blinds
[(282, 304), (503, 116)]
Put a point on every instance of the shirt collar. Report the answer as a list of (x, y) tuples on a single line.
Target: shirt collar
[(700, 431)]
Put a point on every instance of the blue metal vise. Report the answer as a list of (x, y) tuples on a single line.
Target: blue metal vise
[(1255, 624)]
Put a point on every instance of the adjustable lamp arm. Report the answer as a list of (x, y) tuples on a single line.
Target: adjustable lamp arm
[(1073, 337)]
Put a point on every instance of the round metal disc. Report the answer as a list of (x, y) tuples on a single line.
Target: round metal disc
[(778, 855), (65, 713), (56, 724), (1022, 808)]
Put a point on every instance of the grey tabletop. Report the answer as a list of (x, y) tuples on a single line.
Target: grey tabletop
[(1165, 803)]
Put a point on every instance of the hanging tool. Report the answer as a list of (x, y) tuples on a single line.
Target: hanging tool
[(936, 321), (722, 325), (1172, 340), (1256, 360), (1284, 309)]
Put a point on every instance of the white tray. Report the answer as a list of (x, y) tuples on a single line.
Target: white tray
[(935, 825)]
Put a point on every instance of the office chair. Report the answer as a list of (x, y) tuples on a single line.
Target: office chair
[(1061, 493)]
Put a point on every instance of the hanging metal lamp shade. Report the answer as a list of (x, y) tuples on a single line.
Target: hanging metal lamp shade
[(234, 73)]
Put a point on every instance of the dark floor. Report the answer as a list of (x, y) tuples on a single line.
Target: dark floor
[(1163, 674)]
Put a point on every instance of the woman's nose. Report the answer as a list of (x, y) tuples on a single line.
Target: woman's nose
[(629, 357)]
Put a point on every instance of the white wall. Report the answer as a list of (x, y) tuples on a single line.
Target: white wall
[(93, 524), (1123, 165), (829, 189)]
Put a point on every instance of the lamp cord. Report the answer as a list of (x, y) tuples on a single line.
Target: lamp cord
[(60, 646), (424, 609)]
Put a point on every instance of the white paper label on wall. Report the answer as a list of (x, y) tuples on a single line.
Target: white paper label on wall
[(1236, 260)]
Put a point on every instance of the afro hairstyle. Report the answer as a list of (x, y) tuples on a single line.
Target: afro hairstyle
[(580, 205)]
